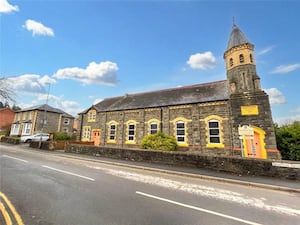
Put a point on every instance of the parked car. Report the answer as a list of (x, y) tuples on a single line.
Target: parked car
[(35, 137)]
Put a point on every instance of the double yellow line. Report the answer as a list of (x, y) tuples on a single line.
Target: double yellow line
[(7, 218)]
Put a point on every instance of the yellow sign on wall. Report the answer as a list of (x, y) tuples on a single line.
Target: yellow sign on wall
[(249, 110)]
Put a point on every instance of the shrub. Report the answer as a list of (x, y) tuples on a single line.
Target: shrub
[(159, 141), (288, 140), (63, 136)]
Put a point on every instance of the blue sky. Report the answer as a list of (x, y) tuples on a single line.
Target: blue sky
[(86, 51)]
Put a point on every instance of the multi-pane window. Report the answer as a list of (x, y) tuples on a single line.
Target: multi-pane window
[(112, 132), (86, 133), (92, 115), (214, 131), (131, 131), (27, 128), (180, 131), (153, 128), (15, 129)]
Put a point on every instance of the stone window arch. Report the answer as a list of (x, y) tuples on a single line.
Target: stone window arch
[(131, 126), (181, 131), (112, 131), (153, 126), (214, 131)]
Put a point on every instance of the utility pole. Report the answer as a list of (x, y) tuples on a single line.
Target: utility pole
[(44, 121)]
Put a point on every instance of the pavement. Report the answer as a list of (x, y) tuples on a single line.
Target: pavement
[(254, 181)]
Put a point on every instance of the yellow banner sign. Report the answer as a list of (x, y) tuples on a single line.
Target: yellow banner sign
[(249, 110)]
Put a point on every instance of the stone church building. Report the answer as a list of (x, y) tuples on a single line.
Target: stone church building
[(227, 117)]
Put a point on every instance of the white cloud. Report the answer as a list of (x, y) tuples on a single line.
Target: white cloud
[(275, 96), (30, 83), (97, 100), (265, 50), (104, 73), (38, 28), (5, 7), (202, 61), (67, 106), (287, 120), (286, 68)]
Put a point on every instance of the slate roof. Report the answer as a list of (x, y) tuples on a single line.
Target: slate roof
[(47, 108), (236, 38), (198, 93)]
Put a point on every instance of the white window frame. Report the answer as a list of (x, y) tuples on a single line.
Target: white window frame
[(211, 131), (86, 133), (26, 128), (153, 130), (178, 130), (131, 132), (15, 129), (112, 132), (66, 121)]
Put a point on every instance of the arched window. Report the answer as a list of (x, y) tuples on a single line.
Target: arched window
[(214, 132), (112, 132), (231, 62), (251, 58), (242, 60), (131, 132), (180, 131), (153, 128)]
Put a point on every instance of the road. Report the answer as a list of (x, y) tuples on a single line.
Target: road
[(46, 188)]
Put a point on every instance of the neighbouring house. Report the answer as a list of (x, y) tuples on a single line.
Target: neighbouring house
[(41, 118), (6, 118), (227, 117)]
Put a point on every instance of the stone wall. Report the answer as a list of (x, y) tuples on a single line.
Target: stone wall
[(234, 165)]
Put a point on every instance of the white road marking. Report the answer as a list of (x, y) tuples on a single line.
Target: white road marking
[(197, 208), (201, 190), (22, 160), (69, 173)]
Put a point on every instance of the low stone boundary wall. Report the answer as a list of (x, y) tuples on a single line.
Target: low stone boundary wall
[(10, 140), (234, 165)]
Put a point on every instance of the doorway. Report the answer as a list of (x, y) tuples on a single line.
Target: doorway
[(96, 137)]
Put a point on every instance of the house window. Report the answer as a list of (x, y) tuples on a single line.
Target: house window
[(92, 116), (112, 132), (26, 129), (180, 131), (15, 129), (214, 132), (242, 60), (86, 133), (66, 121), (231, 62), (153, 128), (131, 132)]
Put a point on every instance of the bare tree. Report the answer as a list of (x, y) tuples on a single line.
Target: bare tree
[(5, 92)]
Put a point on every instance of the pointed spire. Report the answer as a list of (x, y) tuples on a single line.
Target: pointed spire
[(236, 37)]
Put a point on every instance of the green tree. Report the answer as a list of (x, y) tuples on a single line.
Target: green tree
[(159, 141), (288, 140)]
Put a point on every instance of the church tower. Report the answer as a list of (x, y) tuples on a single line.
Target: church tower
[(252, 125)]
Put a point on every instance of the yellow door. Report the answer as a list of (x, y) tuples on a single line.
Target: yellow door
[(96, 137), (255, 146)]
